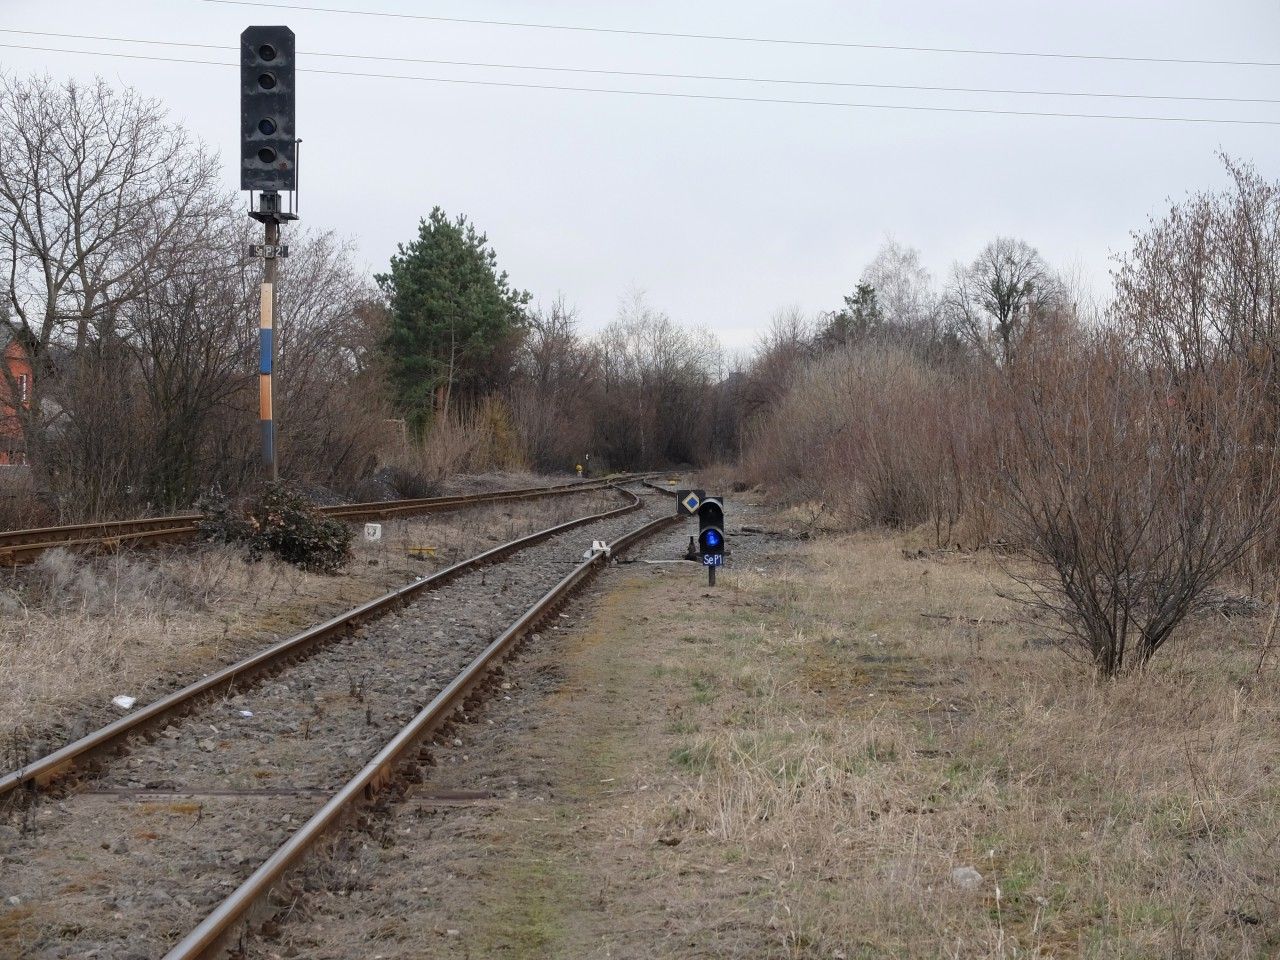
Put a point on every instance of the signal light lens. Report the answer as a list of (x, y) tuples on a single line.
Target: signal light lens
[(267, 126), (267, 155), (267, 52), (267, 81)]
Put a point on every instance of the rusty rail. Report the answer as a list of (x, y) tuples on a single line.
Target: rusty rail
[(23, 546), (213, 931), (89, 748), (392, 508), (19, 545), (654, 486)]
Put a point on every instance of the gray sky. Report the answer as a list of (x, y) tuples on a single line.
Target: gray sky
[(722, 212)]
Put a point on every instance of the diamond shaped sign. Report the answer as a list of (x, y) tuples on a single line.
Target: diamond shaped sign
[(689, 501)]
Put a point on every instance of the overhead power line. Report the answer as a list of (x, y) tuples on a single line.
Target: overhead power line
[(841, 44), (651, 75), (666, 94)]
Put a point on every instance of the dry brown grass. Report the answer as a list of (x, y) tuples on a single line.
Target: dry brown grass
[(19, 508), (479, 439), (851, 753), (79, 630), (880, 437)]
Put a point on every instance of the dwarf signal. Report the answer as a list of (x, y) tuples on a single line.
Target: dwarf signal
[(711, 527), (711, 544)]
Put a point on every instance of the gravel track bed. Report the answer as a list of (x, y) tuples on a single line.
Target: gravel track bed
[(398, 889), (275, 605), (112, 875)]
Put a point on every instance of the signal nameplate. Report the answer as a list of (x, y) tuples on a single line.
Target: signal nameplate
[(713, 559)]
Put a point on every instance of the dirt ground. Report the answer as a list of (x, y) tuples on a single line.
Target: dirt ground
[(841, 751)]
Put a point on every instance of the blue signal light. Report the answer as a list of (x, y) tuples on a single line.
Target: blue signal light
[(712, 539)]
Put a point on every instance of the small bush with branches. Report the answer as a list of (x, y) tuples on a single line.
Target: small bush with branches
[(1131, 491), (282, 522)]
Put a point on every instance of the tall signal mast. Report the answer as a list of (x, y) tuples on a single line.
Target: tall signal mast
[(269, 168)]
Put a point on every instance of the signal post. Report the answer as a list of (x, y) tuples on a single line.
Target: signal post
[(709, 548), (269, 166), (711, 535)]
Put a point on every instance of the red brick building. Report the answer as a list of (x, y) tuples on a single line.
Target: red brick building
[(15, 394)]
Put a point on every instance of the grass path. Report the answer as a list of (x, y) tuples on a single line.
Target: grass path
[(794, 765)]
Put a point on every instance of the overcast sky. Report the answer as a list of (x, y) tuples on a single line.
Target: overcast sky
[(722, 212)]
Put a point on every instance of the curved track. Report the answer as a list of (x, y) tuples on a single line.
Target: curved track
[(89, 749), (464, 621), (23, 546)]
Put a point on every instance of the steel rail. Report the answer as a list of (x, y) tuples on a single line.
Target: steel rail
[(20, 546), (653, 486), (66, 759), (384, 508), (96, 530), (212, 932)]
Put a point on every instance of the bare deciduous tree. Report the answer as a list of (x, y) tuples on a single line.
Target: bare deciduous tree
[(904, 288), (333, 402), (557, 374), (1203, 281), (654, 374), (994, 300), (192, 354), (96, 190)]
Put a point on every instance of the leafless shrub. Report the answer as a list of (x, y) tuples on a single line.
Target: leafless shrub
[(475, 440), (886, 438), (409, 480), (20, 509), (1131, 490), (1133, 461)]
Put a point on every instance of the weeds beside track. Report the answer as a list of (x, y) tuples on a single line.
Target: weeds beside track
[(23, 546), (208, 768)]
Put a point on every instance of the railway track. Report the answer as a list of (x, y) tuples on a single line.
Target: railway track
[(23, 546), (668, 488), (197, 807)]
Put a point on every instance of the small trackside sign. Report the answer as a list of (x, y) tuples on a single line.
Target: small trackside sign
[(688, 502)]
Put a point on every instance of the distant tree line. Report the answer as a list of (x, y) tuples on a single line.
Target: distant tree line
[(1129, 450), (130, 288)]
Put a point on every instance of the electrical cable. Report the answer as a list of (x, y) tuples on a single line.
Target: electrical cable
[(676, 95), (671, 76), (665, 34)]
